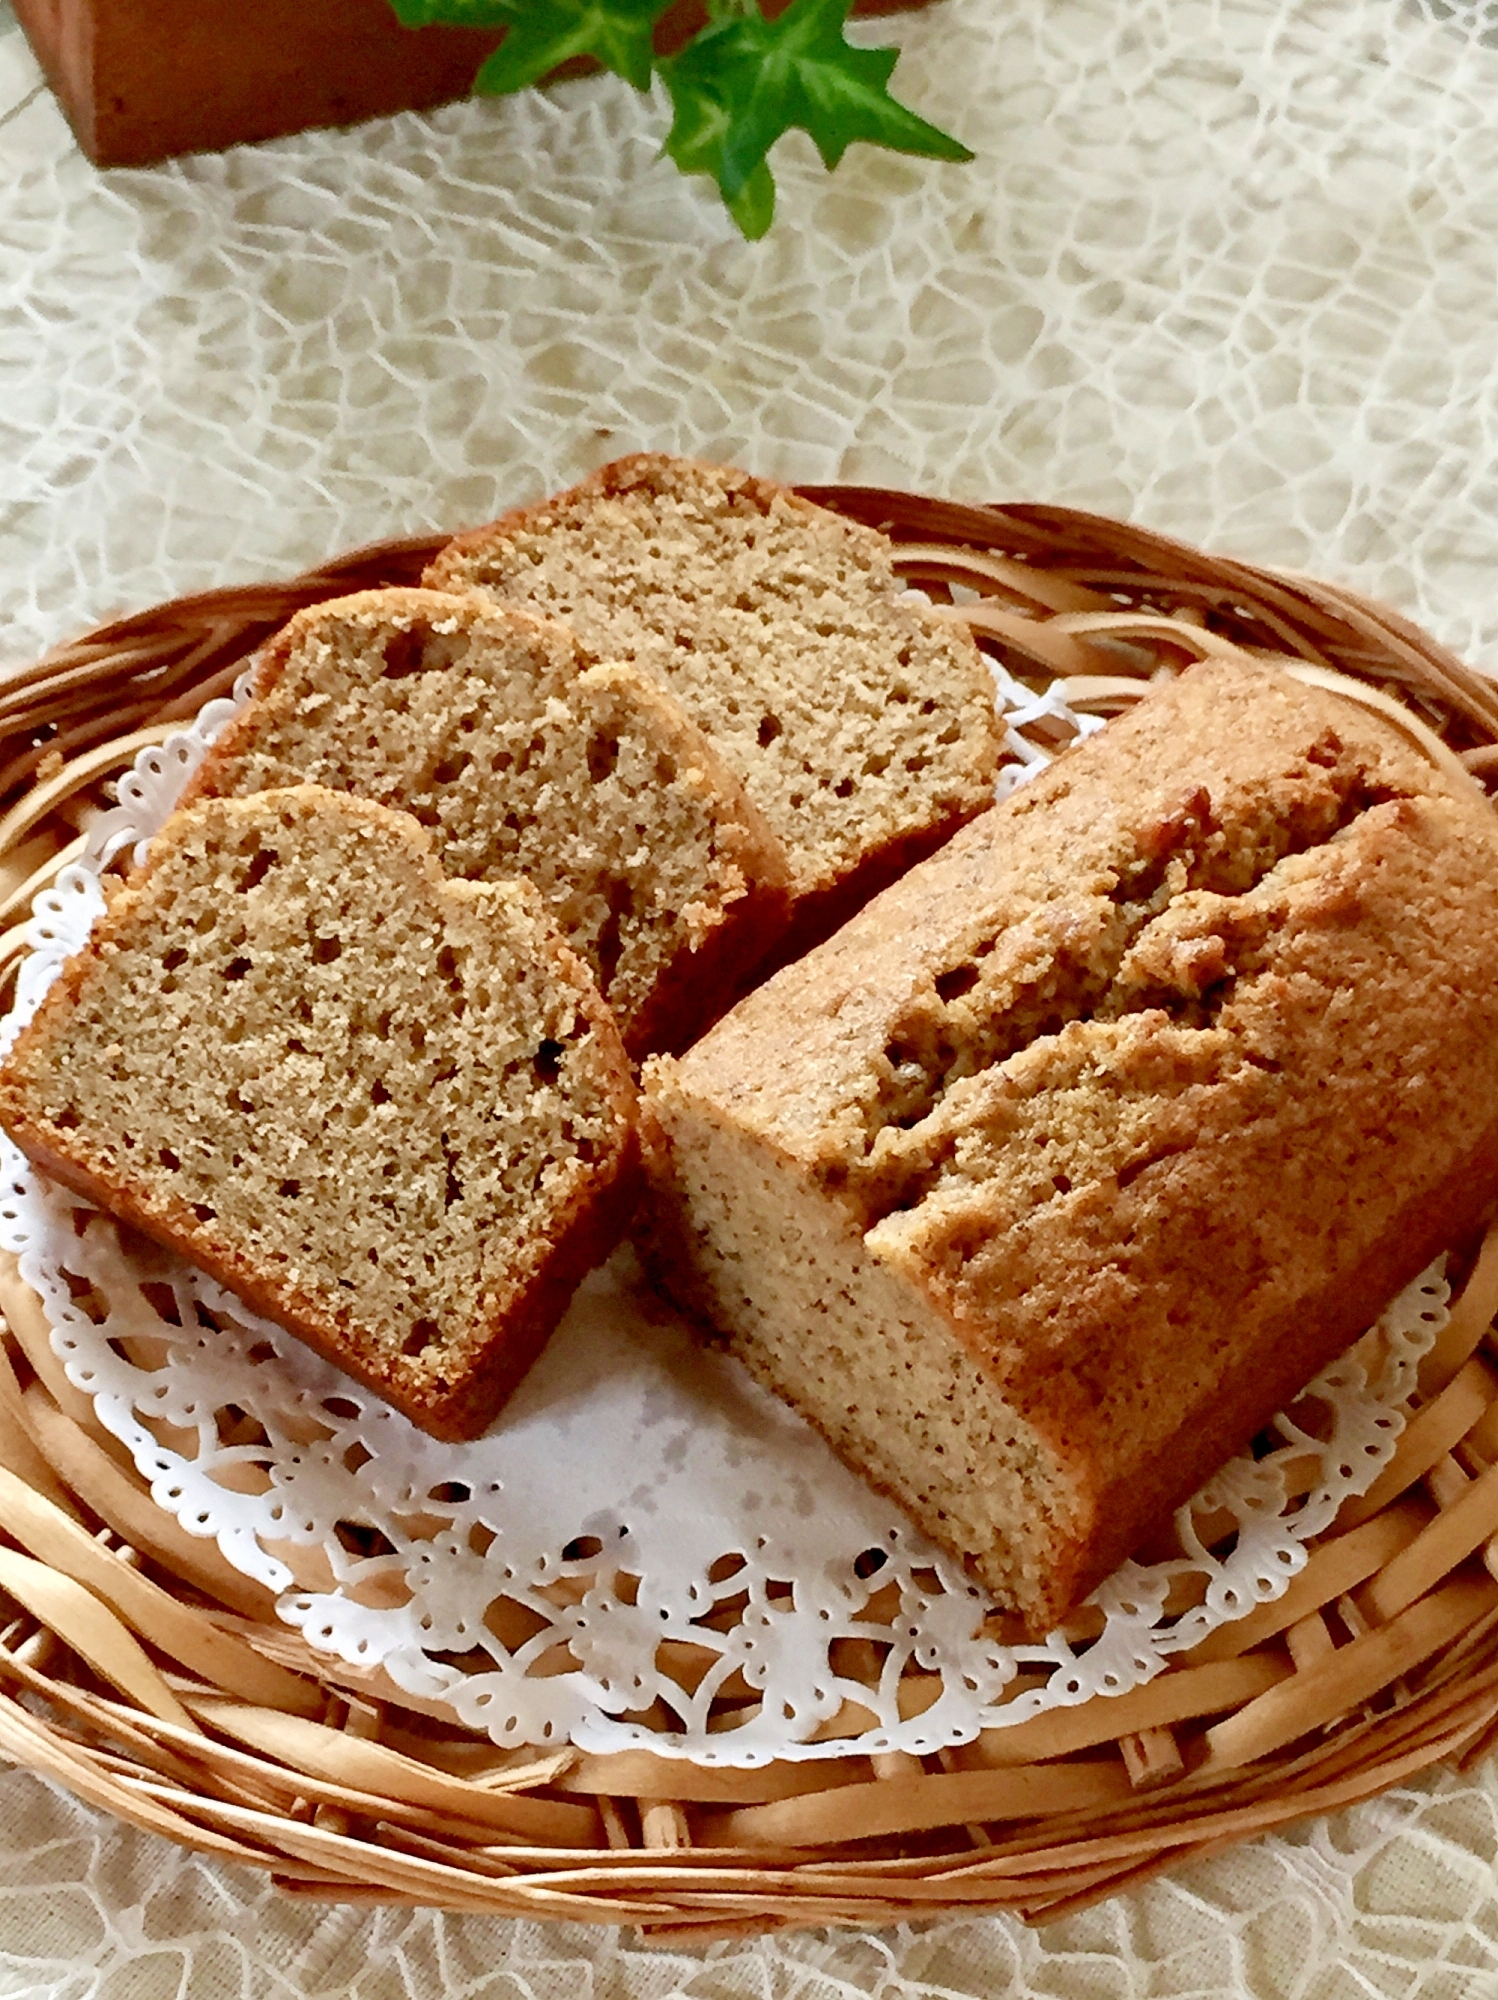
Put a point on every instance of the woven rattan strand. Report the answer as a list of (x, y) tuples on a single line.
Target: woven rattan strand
[(140, 1671)]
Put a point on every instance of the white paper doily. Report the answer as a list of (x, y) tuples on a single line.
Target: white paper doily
[(646, 1548)]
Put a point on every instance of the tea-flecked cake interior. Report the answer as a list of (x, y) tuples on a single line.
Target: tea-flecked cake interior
[(523, 755), (388, 1110), (860, 720)]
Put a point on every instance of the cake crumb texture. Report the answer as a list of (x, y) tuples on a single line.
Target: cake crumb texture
[(1106, 1127), (389, 1111), (860, 720), (524, 755)]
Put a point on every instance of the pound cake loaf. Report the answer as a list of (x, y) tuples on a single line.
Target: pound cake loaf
[(860, 721), (492, 728), (1041, 1186), (388, 1110)]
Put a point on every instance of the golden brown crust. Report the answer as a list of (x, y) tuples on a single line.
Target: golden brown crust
[(1306, 1336), (1155, 1084), (1027, 892)]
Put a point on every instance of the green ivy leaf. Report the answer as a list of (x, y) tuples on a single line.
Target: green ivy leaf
[(738, 85), (696, 144), (539, 37), (744, 81)]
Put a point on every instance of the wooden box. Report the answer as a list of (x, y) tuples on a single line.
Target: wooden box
[(141, 80)]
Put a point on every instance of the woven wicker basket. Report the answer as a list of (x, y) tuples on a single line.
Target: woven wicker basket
[(140, 1671)]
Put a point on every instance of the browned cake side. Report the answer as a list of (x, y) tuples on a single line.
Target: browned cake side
[(389, 1111), (1044, 1183), (860, 721), (522, 757)]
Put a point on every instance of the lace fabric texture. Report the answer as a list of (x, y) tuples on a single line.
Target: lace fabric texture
[(1225, 267), (1221, 266), (638, 1495)]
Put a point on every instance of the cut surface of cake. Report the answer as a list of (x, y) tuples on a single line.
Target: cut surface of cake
[(389, 1111), (523, 758), (860, 720), (1044, 1183)]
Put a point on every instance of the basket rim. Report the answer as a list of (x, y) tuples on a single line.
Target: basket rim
[(694, 1867)]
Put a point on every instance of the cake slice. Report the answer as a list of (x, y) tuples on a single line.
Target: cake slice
[(523, 757), (387, 1110), (1064, 1165), (861, 722)]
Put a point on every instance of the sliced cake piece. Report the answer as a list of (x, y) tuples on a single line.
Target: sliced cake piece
[(1064, 1165), (861, 721), (495, 731), (388, 1110)]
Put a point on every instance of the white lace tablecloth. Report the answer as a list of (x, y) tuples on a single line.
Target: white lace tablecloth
[(1228, 269)]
